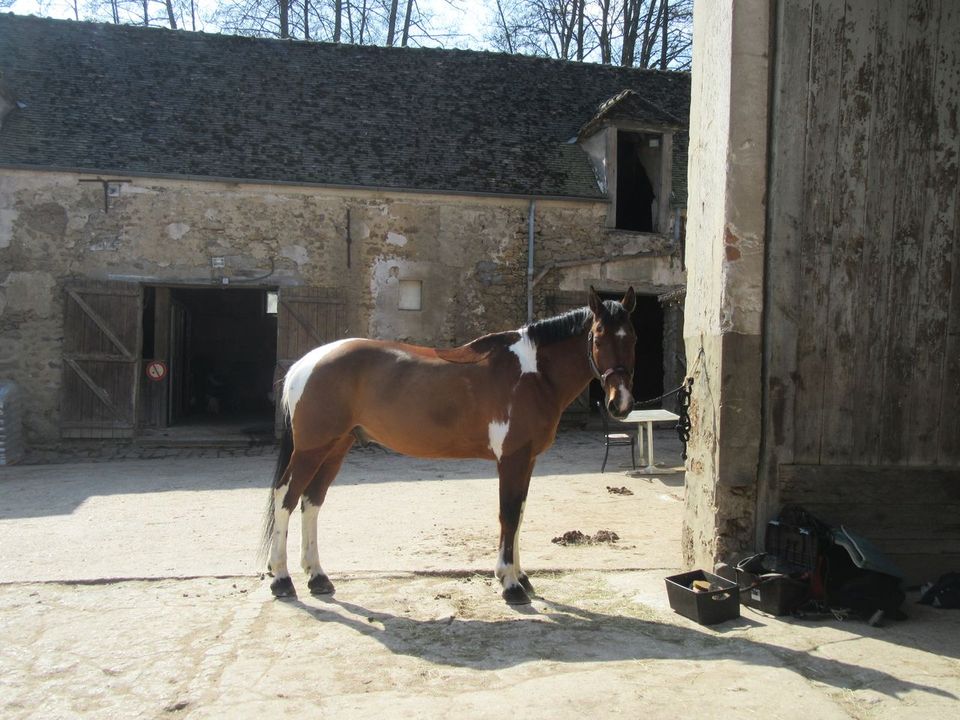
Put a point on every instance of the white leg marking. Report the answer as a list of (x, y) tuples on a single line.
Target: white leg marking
[(300, 371), (526, 351), (309, 554), (498, 433), (281, 520), (509, 572), (506, 572)]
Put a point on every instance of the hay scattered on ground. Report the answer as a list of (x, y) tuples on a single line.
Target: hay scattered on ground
[(619, 490)]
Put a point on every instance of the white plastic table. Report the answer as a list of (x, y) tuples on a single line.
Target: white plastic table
[(648, 418)]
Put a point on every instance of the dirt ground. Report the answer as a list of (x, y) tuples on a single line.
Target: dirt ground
[(130, 589)]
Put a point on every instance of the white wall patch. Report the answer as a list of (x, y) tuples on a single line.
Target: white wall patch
[(396, 239)]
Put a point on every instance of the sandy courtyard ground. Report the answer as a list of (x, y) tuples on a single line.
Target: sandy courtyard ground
[(130, 589)]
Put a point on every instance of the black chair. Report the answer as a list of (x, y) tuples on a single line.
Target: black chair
[(616, 437)]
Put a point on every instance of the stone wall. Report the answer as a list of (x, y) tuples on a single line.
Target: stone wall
[(724, 258), (469, 252)]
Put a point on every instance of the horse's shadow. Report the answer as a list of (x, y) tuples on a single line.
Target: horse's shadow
[(565, 633)]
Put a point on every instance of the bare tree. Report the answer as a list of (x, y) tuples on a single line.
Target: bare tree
[(640, 33)]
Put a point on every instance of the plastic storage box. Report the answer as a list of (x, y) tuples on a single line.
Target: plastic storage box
[(707, 607)]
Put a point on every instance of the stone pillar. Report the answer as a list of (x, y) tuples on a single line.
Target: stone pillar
[(724, 257)]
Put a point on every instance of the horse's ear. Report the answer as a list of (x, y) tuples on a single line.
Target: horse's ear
[(596, 304), (629, 301)]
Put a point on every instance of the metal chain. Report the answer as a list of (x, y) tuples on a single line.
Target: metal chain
[(683, 402), (683, 423)]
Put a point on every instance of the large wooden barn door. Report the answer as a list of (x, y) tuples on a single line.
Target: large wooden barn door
[(306, 318), (101, 348)]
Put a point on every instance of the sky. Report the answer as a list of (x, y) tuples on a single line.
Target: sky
[(466, 15)]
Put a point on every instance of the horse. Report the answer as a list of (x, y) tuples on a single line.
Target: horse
[(498, 397)]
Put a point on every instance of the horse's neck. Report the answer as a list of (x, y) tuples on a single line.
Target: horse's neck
[(568, 369)]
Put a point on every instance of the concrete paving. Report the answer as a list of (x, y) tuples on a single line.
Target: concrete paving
[(129, 588)]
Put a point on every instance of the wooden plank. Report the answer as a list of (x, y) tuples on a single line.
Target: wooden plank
[(937, 522), (785, 209), (870, 342), (900, 381), (849, 210), (938, 231), (947, 391), (836, 484), (819, 174), (102, 324)]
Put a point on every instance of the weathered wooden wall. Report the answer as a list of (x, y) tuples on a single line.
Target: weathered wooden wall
[(863, 301)]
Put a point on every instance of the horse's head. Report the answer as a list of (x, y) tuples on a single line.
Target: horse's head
[(611, 350)]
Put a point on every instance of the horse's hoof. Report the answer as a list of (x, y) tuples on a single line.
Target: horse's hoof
[(283, 587), (527, 585), (320, 585), (516, 595)]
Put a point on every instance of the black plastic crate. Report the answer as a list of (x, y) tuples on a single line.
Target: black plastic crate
[(772, 594), (708, 607), (795, 545)]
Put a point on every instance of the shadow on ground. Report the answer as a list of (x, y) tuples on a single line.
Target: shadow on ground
[(566, 633)]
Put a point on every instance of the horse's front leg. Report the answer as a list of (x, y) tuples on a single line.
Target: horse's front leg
[(515, 471)]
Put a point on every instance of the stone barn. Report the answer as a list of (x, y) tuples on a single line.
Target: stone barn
[(183, 215), (823, 304)]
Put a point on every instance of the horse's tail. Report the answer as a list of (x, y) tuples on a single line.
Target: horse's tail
[(283, 459)]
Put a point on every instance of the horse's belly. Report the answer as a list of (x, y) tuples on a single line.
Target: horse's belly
[(430, 442)]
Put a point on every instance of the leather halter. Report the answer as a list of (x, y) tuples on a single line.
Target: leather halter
[(602, 377)]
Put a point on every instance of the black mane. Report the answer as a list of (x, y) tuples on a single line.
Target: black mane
[(574, 322)]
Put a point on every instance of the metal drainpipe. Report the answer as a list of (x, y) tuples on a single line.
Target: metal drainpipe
[(530, 219)]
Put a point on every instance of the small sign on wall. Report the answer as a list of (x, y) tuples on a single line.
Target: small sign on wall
[(156, 370)]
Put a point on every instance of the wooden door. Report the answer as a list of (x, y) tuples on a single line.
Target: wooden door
[(101, 364), (307, 317)]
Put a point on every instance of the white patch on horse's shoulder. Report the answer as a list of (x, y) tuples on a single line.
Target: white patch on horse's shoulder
[(300, 371), (621, 333), (498, 433), (526, 351), (401, 354)]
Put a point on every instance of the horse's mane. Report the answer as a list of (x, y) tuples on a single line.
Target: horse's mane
[(542, 333), (551, 330), (560, 327)]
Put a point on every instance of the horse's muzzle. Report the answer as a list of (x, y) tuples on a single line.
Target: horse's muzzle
[(618, 398)]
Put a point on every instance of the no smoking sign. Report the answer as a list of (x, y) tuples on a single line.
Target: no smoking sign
[(156, 370)]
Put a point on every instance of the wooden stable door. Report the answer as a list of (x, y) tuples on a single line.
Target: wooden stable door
[(307, 317), (101, 360)]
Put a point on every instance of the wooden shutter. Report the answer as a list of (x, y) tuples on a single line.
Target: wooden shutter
[(307, 317), (101, 364)]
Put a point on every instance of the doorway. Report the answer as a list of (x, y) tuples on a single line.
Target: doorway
[(220, 346)]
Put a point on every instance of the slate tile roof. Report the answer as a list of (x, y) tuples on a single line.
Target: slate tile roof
[(151, 101)]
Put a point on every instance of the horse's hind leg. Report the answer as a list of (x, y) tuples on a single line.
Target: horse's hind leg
[(310, 503), (301, 469)]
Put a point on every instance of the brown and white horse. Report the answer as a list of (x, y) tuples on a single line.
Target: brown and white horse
[(499, 397)]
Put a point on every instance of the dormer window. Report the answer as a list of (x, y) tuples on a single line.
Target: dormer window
[(638, 183), (630, 143)]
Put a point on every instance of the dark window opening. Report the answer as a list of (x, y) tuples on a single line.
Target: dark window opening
[(638, 162)]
